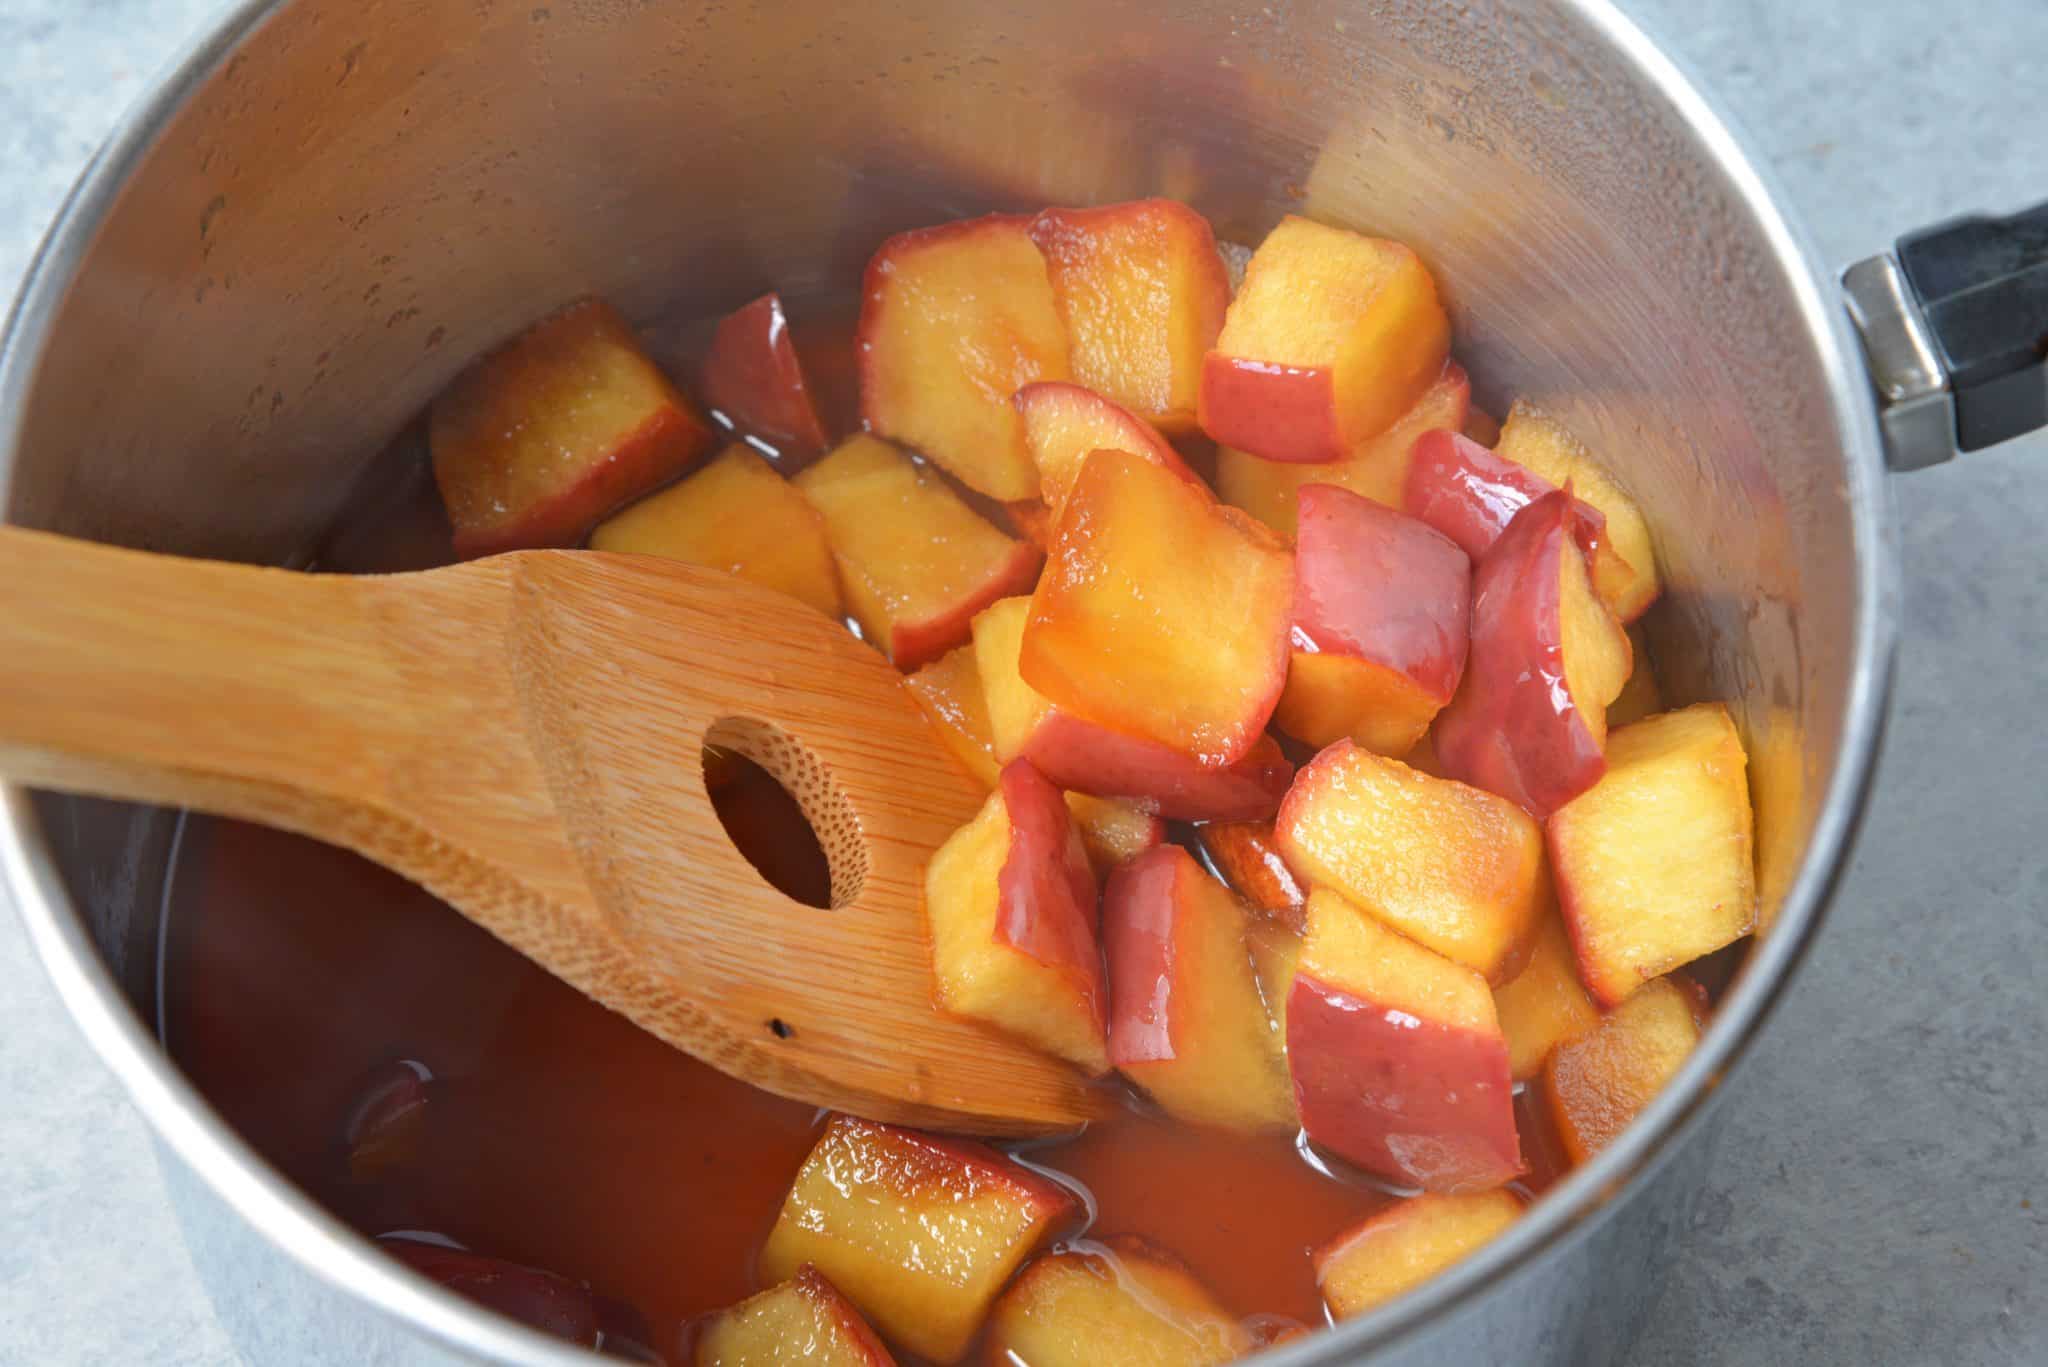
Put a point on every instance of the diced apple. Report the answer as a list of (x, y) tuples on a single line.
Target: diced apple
[(919, 1232), (1405, 1245), (950, 692), (1377, 468), (1627, 580), (1640, 697), (736, 514), (1011, 902), (1120, 1301), (1162, 613), (1397, 1057), (804, 1319), (1331, 338), (753, 376), (1599, 1082), (917, 563), (1545, 1004), (1084, 756), (1064, 424), (1481, 426), (1247, 857), (1187, 1023), (1380, 608), (953, 321), (1142, 292), (1547, 657), (539, 1299), (1452, 868), (1114, 829), (1654, 863), (1470, 495), (567, 421)]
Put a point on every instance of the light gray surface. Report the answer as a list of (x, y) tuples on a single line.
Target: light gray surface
[(1871, 1199)]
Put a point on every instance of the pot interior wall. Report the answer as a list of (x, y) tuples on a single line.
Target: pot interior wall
[(366, 194)]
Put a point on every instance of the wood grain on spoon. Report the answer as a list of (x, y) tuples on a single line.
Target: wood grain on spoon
[(521, 736)]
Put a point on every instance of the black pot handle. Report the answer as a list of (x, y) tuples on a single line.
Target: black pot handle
[(1954, 322)]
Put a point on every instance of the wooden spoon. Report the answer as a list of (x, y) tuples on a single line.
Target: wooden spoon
[(522, 737)]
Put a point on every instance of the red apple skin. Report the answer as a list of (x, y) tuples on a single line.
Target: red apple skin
[(1047, 905), (1469, 494), (1086, 758), (1135, 434), (1139, 945), (752, 375), (1373, 583), (1415, 1101), (1285, 413), (1513, 729), (913, 645)]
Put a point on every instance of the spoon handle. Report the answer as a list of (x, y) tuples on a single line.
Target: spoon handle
[(340, 707), (185, 682)]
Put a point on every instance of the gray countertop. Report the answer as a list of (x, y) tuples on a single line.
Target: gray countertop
[(1878, 1194)]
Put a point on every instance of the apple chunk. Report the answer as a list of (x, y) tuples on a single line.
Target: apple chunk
[(1011, 902), (1142, 292), (919, 1232), (1087, 757), (1403, 1246), (1331, 338), (1120, 1301), (1114, 829), (736, 514), (1187, 1022), (1064, 424), (1545, 1004), (752, 375), (1380, 607), (1599, 1082), (1627, 580), (917, 563), (542, 437), (1246, 855), (950, 692), (1377, 468), (1452, 868), (1397, 1057), (1162, 613), (953, 321), (1546, 659), (1654, 863), (804, 1316), (1470, 495)]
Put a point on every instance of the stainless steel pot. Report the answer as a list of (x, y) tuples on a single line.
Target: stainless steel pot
[(329, 206)]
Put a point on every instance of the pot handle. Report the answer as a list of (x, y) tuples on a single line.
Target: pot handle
[(1954, 323)]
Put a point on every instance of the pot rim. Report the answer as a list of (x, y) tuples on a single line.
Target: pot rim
[(350, 1263)]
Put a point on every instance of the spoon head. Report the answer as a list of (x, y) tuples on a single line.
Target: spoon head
[(626, 667)]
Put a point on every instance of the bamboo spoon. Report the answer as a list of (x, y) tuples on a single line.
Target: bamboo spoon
[(521, 736)]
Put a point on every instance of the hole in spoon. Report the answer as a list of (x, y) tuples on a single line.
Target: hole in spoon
[(782, 812)]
